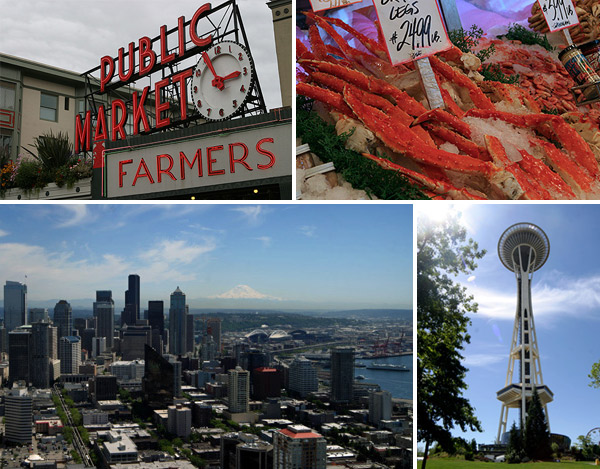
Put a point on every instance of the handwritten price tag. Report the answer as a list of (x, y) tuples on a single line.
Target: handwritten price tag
[(412, 28), (559, 14), (321, 5)]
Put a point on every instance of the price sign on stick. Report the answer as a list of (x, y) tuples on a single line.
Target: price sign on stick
[(412, 29), (321, 5), (559, 14)]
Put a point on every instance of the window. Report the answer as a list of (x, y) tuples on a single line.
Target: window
[(49, 107), (66, 103), (7, 96)]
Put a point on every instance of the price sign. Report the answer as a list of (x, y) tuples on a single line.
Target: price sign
[(559, 14), (321, 5), (412, 29)]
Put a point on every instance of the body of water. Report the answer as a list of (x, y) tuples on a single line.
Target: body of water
[(399, 383)]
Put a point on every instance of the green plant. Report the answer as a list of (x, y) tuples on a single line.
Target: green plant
[(53, 151), (526, 36), (547, 110), (31, 175), (493, 72), (467, 41)]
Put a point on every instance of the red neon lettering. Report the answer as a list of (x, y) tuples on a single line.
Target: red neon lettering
[(194, 23), (210, 160), (165, 57), (145, 174), (82, 135), (118, 124), (139, 111), (146, 52), (131, 56), (101, 131), (164, 171), (233, 160), (180, 78), (181, 35), (262, 151), (121, 172), (159, 105), (105, 77), (197, 157)]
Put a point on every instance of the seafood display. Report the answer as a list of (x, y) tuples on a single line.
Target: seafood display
[(588, 13), (490, 141)]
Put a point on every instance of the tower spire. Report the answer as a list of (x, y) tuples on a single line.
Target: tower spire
[(523, 248)]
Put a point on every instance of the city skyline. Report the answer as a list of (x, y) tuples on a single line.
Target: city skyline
[(275, 256), (565, 307)]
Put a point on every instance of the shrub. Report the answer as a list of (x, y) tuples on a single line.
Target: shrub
[(30, 175), (53, 151)]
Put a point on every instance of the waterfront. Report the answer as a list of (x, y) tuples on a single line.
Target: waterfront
[(399, 383)]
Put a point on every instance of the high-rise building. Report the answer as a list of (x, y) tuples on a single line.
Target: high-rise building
[(179, 420), (523, 248), (266, 382), (342, 374), (380, 406), (15, 305), (133, 339), (190, 333), (162, 379), (239, 390), (131, 313), (18, 412), (178, 312), (19, 354), (208, 350), (156, 315), (299, 447), (104, 312), (303, 377), (213, 328), (43, 335), (69, 354), (63, 318), (37, 315), (104, 388), (245, 451), (98, 346)]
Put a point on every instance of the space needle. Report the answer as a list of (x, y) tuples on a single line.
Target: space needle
[(523, 248)]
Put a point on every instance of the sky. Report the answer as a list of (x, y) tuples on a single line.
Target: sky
[(74, 35), (566, 308), (278, 256)]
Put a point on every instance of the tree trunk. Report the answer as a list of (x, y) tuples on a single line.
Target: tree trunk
[(425, 454)]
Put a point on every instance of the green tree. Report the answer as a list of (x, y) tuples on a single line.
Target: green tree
[(515, 452), (595, 375), (443, 252), (536, 435)]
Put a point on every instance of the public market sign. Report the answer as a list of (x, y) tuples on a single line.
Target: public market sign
[(130, 66), (243, 155), (411, 29), (559, 14)]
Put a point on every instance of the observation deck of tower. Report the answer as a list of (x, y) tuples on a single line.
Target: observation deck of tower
[(523, 248)]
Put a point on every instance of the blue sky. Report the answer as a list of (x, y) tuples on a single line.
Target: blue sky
[(566, 307), (290, 256)]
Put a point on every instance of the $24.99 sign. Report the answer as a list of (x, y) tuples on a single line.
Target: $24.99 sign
[(559, 14), (412, 29)]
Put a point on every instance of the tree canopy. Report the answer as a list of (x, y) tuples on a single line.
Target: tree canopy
[(443, 252), (537, 435), (595, 375)]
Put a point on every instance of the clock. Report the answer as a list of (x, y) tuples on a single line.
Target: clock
[(222, 80)]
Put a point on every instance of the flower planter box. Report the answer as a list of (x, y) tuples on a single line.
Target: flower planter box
[(81, 190)]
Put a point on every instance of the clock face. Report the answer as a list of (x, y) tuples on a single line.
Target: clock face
[(222, 80)]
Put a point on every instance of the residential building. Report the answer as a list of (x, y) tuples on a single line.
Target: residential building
[(299, 447), (69, 355), (15, 305), (18, 412), (342, 375), (380, 406), (63, 318), (239, 390), (179, 420), (303, 377), (104, 312), (266, 382)]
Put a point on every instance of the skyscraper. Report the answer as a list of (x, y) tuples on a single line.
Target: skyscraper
[(131, 313), (104, 312), (303, 377), (38, 314), (178, 322), (43, 347), (15, 305), (19, 353), (523, 248), (380, 406), (18, 412), (342, 374), (69, 352), (162, 379), (213, 328), (298, 447), (63, 318), (156, 315), (239, 390)]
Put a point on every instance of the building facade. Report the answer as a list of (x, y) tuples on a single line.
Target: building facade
[(131, 313), (18, 412), (43, 337), (239, 390), (104, 312), (342, 375), (298, 447), (69, 354), (380, 406), (63, 318), (303, 377), (179, 421), (19, 353), (178, 323), (15, 305)]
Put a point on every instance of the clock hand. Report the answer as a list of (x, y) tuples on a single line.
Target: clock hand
[(209, 63), (231, 75)]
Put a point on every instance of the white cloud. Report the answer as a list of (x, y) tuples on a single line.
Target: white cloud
[(244, 292), (471, 278), (251, 213), (483, 359), (3, 233), (75, 214), (265, 240), (308, 231), (178, 251)]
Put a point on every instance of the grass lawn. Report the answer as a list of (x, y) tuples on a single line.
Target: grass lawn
[(451, 463)]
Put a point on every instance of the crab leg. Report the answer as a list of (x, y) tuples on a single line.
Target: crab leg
[(373, 46), (558, 188), (328, 97), (435, 186), (447, 118), (302, 51), (463, 144)]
